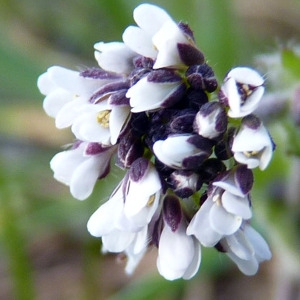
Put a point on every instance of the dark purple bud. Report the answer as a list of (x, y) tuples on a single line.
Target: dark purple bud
[(138, 169), (202, 77), (172, 212), (190, 55), (185, 28), (201, 143), (163, 76), (223, 98), (195, 98), (96, 73), (243, 178), (108, 89), (130, 149), (194, 162), (210, 169), (183, 122), (223, 147), (119, 98)]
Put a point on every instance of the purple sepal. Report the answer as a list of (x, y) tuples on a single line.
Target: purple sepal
[(183, 122), (130, 148), (163, 76), (244, 178), (96, 73), (119, 98), (172, 212), (175, 97), (194, 162), (108, 89), (95, 148), (202, 77), (138, 169), (201, 143), (185, 28), (190, 55)]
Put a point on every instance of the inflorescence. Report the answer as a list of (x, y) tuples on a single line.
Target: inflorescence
[(188, 146)]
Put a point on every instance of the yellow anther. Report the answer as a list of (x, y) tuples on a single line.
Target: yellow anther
[(247, 90), (103, 118), (250, 153), (151, 200)]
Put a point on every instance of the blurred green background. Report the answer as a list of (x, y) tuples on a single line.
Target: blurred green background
[(45, 249)]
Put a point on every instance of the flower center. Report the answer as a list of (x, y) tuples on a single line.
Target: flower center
[(251, 153), (245, 90), (103, 118)]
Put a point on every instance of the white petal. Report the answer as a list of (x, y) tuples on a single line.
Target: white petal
[(46, 84), (195, 263), (234, 99), (146, 95), (87, 128), (222, 221), (64, 164), (200, 226), (139, 41), (69, 112), (54, 101), (102, 220), (176, 251), (140, 193), (133, 260), (240, 246), (72, 81), (117, 119), (85, 176), (114, 57), (248, 267), (261, 248), (150, 17), (117, 240), (246, 75), (237, 205)]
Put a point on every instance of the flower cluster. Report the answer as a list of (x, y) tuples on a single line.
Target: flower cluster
[(188, 146)]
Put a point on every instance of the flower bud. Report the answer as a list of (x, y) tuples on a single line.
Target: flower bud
[(202, 77), (211, 120), (184, 183)]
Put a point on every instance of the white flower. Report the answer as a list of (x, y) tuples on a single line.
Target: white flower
[(179, 255), (185, 151), (142, 192), (102, 123), (68, 93), (247, 249), (242, 91), (149, 19), (161, 88), (159, 37), (81, 166), (222, 212), (114, 57), (252, 145)]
